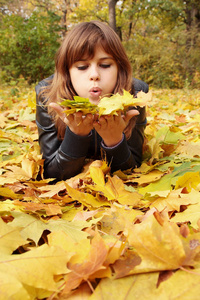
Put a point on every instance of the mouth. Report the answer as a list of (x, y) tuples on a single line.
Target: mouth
[(95, 92)]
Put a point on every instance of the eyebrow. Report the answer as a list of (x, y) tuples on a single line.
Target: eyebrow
[(101, 58), (106, 57)]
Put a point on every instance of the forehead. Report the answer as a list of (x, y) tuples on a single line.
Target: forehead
[(99, 53), (90, 50)]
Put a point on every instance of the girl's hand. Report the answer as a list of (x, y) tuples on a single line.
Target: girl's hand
[(111, 128), (77, 123)]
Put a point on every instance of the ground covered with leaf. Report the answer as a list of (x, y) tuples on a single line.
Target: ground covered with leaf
[(128, 235)]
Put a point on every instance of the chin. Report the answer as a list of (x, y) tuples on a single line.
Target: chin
[(92, 101)]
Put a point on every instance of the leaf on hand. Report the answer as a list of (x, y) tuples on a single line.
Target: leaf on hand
[(79, 104), (107, 105)]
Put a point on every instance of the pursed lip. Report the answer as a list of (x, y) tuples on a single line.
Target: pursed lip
[(95, 91)]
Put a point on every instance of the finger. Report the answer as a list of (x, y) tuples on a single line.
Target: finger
[(69, 119), (109, 118), (96, 125), (59, 110), (96, 117), (88, 120), (78, 118), (130, 114), (102, 121)]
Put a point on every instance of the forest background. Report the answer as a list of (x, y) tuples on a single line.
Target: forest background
[(161, 37)]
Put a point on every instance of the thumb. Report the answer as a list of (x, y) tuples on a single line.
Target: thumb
[(130, 114), (58, 109)]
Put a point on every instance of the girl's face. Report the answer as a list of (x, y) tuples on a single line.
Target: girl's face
[(95, 77)]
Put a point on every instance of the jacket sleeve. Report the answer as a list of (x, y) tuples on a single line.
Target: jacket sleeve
[(62, 158), (128, 153)]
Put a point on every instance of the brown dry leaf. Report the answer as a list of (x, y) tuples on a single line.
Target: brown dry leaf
[(118, 219), (82, 293), (50, 209), (126, 263), (81, 270)]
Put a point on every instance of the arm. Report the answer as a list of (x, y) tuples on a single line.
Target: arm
[(128, 153), (63, 158)]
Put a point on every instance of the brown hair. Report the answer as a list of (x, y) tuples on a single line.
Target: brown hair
[(81, 41)]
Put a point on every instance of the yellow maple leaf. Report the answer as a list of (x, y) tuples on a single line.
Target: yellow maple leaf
[(145, 286), (110, 105), (113, 189), (37, 267), (107, 105), (189, 180), (12, 288), (10, 238), (160, 246), (190, 215), (87, 199), (175, 199)]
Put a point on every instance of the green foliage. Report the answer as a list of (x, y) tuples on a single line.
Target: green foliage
[(90, 10), (28, 46), (162, 37), (162, 47)]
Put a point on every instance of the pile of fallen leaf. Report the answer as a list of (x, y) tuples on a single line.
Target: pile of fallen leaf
[(128, 235)]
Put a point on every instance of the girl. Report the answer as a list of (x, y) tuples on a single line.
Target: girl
[(90, 63)]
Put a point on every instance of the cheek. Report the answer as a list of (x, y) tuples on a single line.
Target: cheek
[(72, 76), (76, 83), (114, 78)]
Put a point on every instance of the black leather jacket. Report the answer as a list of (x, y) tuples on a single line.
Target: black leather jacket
[(65, 158)]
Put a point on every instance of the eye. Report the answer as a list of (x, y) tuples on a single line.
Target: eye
[(82, 68), (105, 66)]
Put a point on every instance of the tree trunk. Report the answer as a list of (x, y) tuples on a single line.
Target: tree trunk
[(112, 14), (192, 21), (192, 14), (65, 8)]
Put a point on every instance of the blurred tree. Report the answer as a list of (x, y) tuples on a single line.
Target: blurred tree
[(162, 37), (28, 45), (112, 14)]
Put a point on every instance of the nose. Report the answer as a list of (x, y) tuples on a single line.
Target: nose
[(94, 73)]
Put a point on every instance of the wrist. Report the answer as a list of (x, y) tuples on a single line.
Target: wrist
[(113, 142), (79, 132)]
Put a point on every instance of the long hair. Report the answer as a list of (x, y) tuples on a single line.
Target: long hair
[(81, 41)]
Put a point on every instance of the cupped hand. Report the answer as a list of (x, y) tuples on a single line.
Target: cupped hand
[(78, 123), (111, 127)]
